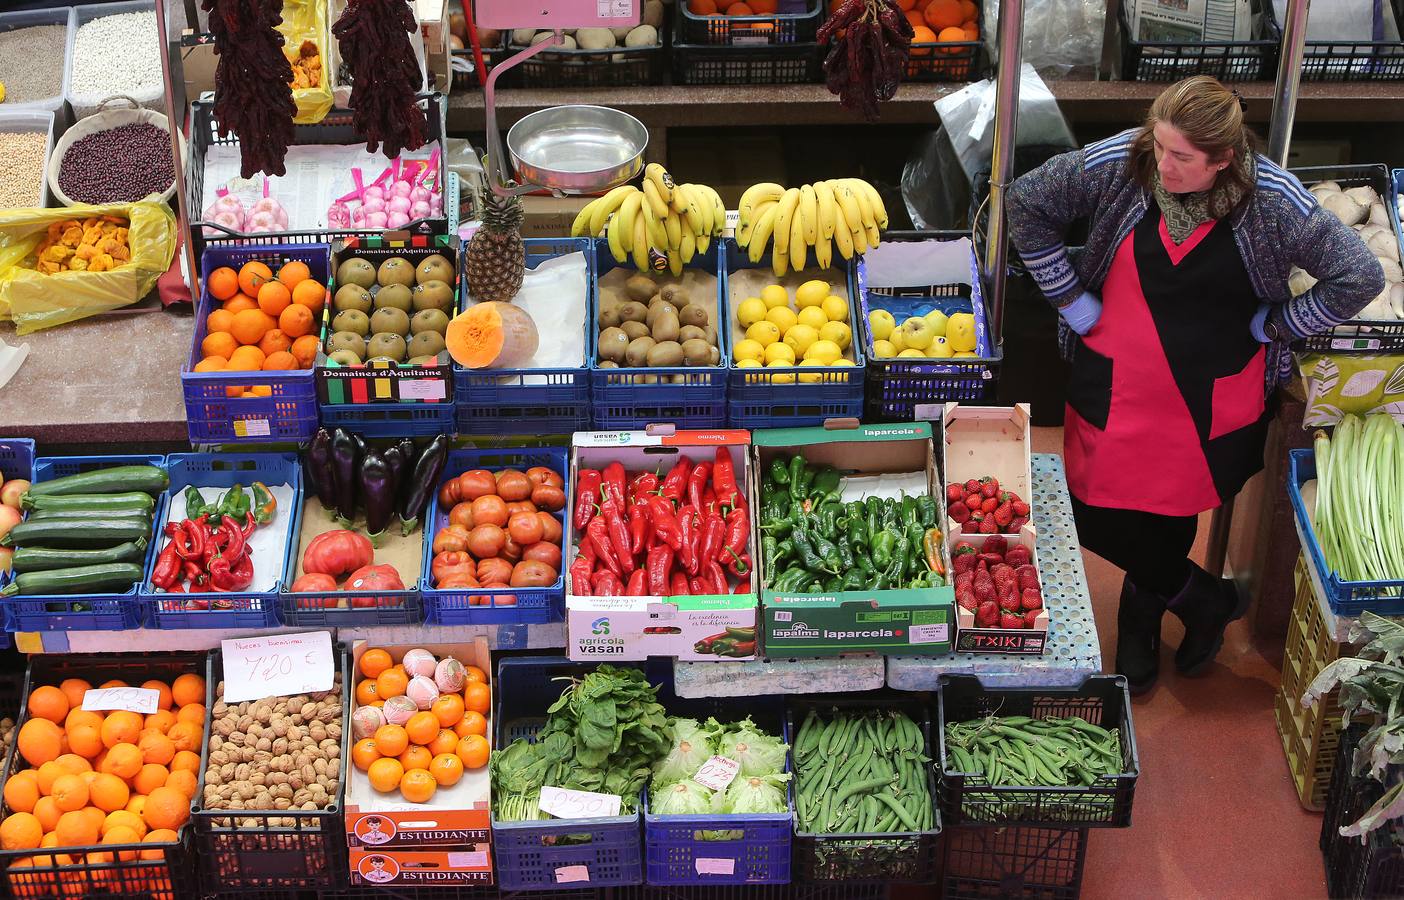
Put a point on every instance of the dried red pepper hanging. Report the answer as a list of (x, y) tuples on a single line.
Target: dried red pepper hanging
[(869, 44), (253, 96), (375, 43)]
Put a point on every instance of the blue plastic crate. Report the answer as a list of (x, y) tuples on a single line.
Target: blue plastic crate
[(387, 420), (1346, 598), (244, 609), (762, 854), (306, 609), (290, 413), (622, 400), (532, 401), (531, 605), (528, 853), (758, 400), (104, 612), (16, 459), (897, 386)]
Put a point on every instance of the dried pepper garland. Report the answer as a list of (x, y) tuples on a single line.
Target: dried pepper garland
[(870, 42), (374, 36), (253, 99)]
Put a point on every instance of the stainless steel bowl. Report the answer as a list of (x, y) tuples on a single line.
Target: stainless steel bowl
[(577, 149)]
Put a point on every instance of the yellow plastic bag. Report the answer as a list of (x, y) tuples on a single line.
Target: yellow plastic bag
[(36, 301), (305, 20)]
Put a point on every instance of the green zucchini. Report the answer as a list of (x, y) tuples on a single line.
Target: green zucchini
[(103, 579), (116, 480), (94, 502), (85, 515), (39, 559), (64, 533)]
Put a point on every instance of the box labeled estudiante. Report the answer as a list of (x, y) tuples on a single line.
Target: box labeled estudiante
[(886, 462)]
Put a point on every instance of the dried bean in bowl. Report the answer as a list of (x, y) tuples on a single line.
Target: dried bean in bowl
[(118, 165), (22, 168)]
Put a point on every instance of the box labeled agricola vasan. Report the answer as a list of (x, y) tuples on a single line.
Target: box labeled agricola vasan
[(418, 791), (853, 556)]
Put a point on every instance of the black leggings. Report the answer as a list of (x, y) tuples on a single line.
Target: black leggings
[(1152, 549)]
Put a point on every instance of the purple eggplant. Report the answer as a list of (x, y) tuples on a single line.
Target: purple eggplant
[(409, 455), (317, 469), (423, 482), (377, 485), (395, 459), (344, 469)]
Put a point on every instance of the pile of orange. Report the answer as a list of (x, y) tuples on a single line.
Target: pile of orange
[(436, 746), (735, 8), (103, 778), (264, 322)]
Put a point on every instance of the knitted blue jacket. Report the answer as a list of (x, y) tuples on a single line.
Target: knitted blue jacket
[(1278, 226)]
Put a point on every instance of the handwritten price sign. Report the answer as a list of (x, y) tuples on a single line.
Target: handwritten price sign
[(138, 700), (564, 803), (717, 772), (278, 665)]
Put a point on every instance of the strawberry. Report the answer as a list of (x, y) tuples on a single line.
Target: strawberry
[(972, 486), (996, 545), (1028, 577), (989, 486), (984, 587), (970, 526), (989, 505), (975, 502), (1019, 522), (963, 547), (991, 559), (988, 526), (987, 614), (1009, 619), (965, 579), (1007, 595), (959, 512), (1031, 619), (954, 492), (1003, 515), (1020, 507), (966, 599), (962, 563), (1031, 598), (1017, 555)]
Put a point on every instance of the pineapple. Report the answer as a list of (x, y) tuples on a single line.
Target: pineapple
[(495, 259)]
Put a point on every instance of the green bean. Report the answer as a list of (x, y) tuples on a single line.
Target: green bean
[(896, 807)]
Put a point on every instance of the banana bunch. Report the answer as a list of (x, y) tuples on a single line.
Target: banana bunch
[(677, 220), (846, 213)]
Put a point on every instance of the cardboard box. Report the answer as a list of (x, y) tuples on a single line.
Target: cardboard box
[(906, 622), (550, 217), (635, 628), (986, 441), (1024, 642), (471, 864), (456, 818)]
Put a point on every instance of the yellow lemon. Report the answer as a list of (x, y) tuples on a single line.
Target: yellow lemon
[(896, 340), (811, 293), (881, 323), (843, 361), (799, 338), (838, 332), (774, 295), (751, 310), (747, 349), (884, 349), (749, 364), (912, 354), (783, 317), (916, 333), (811, 377), (779, 354), (960, 331), (964, 354), (824, 351), (781, 377), (836, 308), (937, 320), (940, 348), (763, 333), (814, 317)]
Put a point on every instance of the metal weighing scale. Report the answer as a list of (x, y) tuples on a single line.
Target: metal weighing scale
[(573, 149)]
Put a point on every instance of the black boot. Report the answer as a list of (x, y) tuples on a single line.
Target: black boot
[(1206, 605), (1138, 636)]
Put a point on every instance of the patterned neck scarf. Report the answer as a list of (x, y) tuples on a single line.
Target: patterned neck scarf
[(1186, 212)]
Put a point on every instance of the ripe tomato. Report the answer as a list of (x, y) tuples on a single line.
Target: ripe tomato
[(486, 541), (531, 573), (462, 514), (545, 552), (476, 483), (451, 537), (538, 475), (452, 562), (520, 506), (550, 527), (524, 528), (337, 552), (513, 485), (489, 510), (457, 580), (548, 497), (511, 551), (494, 571)]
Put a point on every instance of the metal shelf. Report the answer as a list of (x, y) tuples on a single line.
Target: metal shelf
[(148, 640)]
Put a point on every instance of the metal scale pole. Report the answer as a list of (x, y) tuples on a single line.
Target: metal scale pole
[(1284, 110), (1011, 46), (175, 119)]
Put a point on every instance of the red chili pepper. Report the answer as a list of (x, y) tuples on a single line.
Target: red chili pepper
[(738, 564), (587, 549), (709, 502), (665, 522), (636, 586), (614, 483), (643, 483), (225, 576), (250, 523), (244, 571), (606, 584), (738, 529), (199, 584), (587, 483), (580, 575), (176, 588), (193, 570), (743, 586), (695, 586), (697, 483), (598, 534), (675, 484), (194, 532), (689, 531), (167, 567), (618, 531), (713, 576), (660, 562), (677, 585), (235, 538), (638, 527), (710, 544), (724, 479)]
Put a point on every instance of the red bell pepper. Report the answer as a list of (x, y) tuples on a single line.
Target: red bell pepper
[(613, 483), (605, 583), (675, 484), (643, 483), (587, 484), (714, 578), (598, 535), (697, 483), (580, 575), (167, 568), (638, 527), (710, 544), (738, 564), (677, 585), (660, 562), (618, 532), (665, 522), (738, 529), (724, 480), (636, 586), (688, 528)]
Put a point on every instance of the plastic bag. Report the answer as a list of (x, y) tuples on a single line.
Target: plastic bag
[(935, 190), (306, 20), (1061, 37), (1346, 20), (36, 301), (968, 117)]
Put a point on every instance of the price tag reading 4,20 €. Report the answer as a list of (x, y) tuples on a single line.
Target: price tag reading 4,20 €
[(133, 699), (717, 772), (278, 665), (564, 803)]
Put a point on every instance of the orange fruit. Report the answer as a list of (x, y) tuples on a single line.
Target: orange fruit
[(108, 792), (247, 359), (183, 781), (212, 364), (121, 727), (156, 748), (163, 700), (238, 303), (291, 274), (150, 778), (422, 728), (123, 834), (364, 753), (477, 697), (124, 819), (85, 740), (906, 5), (473, 751), (161, 721), (223, 283), (251, 325), (366, 693), (473, 673), (273, 341), (296, 320), (273, 298), (740, 9), (38, 741), (923, 35), (48, 813), (113, 682), (968, 10), (943, 14), (79, 716), (192, 712), (374, 661), (385, 774), (186, 736), (50, 703), (416, 757), (185, 760), (252, 276), (219, 343), (304, 350), (391, 683), (77, 829), (417, 785), (48, 773), (219, 320), (448, 709), (166, 807), (915, 18), (158, 836), (74, 763), (310, 294), (70, 793), (279, 361), (445, 742), (702, 7), (473, 723), (22, 791), (972, 31), (20, 831), (764, 7), (446, 768), (391, 740), (135, 804)]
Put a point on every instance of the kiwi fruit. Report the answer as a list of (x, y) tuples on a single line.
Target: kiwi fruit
[(607, 364), (665, 327), (691, 333), (639, 287), (609, 316), (352, 296), (388, 346), (394, 296), (433, 268), (390, 321), (637, 352), (692, 314), (356, 271), (429, 320), (433, 294), (696, 352), (674, 294), (632, 311), (349, 341), (713, 355), (665, 353), (613, 343), (426, 343), (395, 270), (634, 330), (345, 358), (352, 320)]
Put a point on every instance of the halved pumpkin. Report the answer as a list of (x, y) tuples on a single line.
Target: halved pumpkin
[(492, 336)]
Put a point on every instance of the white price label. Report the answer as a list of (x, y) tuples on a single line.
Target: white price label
[(572, 874), (132, 699), (252, 428), (706, 866), (476, 859), (564, 803), (717, 772), (423, 389), (278, 665), (929, 634)]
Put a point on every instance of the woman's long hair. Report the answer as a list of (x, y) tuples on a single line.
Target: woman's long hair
[(1210, 116)]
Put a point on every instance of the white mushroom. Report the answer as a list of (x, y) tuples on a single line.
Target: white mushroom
[(1346, 208), (1379, 214), (1392, 272), (1364, 195), (1384, 245), (1299, 282)]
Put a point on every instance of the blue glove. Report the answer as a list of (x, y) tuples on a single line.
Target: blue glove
[(1082, 313), (1258, 321)]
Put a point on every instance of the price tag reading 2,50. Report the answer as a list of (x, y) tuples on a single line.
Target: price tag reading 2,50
[(564, 803), (278, 665)]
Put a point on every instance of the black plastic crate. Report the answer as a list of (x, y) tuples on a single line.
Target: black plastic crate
[(1251, 60), (1375, 867), (716, 64), (1352, 60), (1043, 863), (798, 23), (797, 891), (93, 871), (310, 853), (566, 68), (970, 800), (949, 60)]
